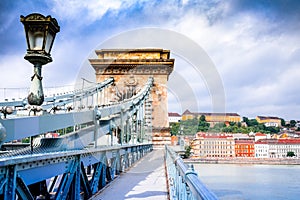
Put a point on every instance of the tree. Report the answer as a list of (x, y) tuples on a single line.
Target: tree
[(245, 119), (282, 122), (228, 129), (65, 130), (252, 122), (218, 127), (202, 124), (239, 124), (293, 123), (202, 118), (189, 127), (232, 123), (290, 154), (272, 129), (187, 152), (174, 128), (261, 126)]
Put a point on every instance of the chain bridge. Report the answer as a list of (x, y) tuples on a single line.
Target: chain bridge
[(81, 140)]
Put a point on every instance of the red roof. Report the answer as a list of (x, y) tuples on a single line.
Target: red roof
[(216, 136), (263, 141), (250, 141), (173, 114), (187, 112), (267, 117), (260, 134), (289, 141), (278, 141)]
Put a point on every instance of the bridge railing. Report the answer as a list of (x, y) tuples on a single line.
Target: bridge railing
[(71, 166), (72, 175), (183, 181), (117, 113)]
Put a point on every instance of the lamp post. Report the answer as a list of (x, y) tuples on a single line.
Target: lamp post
[(181, 141), (40, 33)]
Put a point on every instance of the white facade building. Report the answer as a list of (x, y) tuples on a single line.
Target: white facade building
[(174, 117), (213, 145), (274, 124), (261, 150), (280, 150), (276, 148), (259, 136)]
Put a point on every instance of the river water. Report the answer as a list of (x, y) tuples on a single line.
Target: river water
[(244, 181)]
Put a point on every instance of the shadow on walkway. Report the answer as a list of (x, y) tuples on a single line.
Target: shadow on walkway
[(145, 180)]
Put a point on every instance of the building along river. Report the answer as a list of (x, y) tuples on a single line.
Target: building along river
[(249, 181)]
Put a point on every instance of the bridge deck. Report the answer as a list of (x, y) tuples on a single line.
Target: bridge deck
[(145, 180)]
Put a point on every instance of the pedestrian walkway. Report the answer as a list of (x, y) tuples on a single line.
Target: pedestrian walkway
[(145, 180)]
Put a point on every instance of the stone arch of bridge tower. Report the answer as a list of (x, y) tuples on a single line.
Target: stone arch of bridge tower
[(131, 69), (182, 46)]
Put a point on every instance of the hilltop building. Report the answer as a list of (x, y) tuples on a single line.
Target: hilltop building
[(269, 121), (174, 117), (212, 118)]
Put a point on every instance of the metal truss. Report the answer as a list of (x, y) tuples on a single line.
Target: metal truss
[(65, 175), (119, 113), (63, 99), (72, 166)]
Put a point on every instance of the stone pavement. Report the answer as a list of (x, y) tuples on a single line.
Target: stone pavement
[(145, 180)]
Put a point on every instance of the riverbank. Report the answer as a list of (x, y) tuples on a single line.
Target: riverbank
[(264, 161)]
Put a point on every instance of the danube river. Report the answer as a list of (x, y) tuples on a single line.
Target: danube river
[(244, 181)]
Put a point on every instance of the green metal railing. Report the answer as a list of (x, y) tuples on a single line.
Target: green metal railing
[(183, 181)]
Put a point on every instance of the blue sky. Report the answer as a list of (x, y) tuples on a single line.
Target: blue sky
[(254, 45)]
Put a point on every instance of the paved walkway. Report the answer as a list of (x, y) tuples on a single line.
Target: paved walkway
[(145, 180)]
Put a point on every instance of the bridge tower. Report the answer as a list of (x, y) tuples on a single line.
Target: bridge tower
[(131, 69)]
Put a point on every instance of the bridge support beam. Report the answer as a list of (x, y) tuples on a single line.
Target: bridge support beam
[(11, 176), (70, 178), (85, 183), (68, 172)]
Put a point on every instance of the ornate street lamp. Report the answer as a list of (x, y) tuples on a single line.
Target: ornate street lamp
[(40, 33)]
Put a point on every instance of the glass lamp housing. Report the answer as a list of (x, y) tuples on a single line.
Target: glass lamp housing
[(40, 33)]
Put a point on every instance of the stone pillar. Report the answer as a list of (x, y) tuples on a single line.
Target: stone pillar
[(131, 69)]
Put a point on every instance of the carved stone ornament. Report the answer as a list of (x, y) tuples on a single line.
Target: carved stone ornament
[(131, 81)]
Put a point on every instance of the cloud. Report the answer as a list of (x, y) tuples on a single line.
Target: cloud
[(253, 44), (87, 11), (253, 55), (15, 73), (283, 15)]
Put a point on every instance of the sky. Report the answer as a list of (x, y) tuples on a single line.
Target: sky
[(252, 49)]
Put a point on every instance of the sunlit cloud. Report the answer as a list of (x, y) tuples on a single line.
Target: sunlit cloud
[(254, 45)]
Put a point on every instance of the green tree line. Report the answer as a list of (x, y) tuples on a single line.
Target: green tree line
[(192, 126)]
